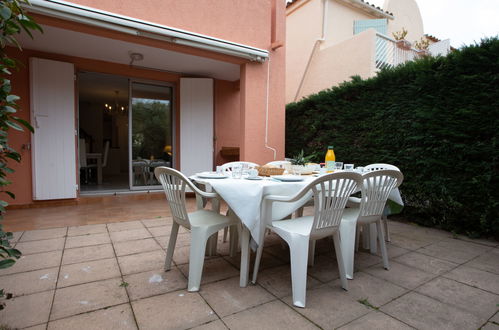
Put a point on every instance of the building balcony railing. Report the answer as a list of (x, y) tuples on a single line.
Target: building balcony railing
[(390, 52)]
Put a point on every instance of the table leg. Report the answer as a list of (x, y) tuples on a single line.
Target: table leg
[(245, 257)]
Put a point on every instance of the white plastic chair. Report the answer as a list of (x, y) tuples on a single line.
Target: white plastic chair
[(354, 201), (375, 188), (202, 223), (330, 193)]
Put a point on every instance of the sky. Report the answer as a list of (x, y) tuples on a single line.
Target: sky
[(461, 21)]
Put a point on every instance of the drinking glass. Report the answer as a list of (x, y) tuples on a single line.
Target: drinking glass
[(338, 166), (219, 170), (360, 169), (237, 171), (348, 167), (245, 169)]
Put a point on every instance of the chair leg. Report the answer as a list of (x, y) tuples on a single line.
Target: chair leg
[(196, 258), (299, 212), (171, 246), (339, 259), (357, 238), (226, 230), (373, 237), (347, 242), (384, 253), (311, 252), (299, 254), (258, 258), (233, 240), (387, 232)]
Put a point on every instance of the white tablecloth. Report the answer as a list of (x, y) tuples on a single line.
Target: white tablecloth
[(245, 197)]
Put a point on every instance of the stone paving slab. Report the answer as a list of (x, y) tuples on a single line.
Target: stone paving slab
[(111, 277)]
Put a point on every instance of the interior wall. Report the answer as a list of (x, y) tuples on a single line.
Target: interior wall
[(227, 118)]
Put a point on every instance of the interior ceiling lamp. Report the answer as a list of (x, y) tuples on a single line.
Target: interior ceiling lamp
[(116, 107)]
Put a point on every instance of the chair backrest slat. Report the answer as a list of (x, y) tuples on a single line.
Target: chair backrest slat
[(331, 194), (376, 188), (227, 167), (174, 184)]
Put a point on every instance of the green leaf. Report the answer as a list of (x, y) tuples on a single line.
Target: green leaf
[(5, 12), (13, 125), (12, 98), (24, 123), (9, 109), (7, 263)]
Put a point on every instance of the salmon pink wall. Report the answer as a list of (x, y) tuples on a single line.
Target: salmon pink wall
[(241, 21)]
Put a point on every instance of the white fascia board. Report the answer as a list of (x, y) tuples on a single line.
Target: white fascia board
[(370, 9), (91, 16)]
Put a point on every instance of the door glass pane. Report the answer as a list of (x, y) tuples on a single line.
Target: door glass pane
[(151, 138)]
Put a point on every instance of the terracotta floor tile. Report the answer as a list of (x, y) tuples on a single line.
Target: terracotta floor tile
[(88, 271), (423, 313), (35, 235), (136, 246), (269, 316), (227, 297), (87, 253), (27, 310), (141, 262), (87, 297), (193, 310), (87, 240), (117, 317), (87, 229), (29, 282), (45, 245), (34, 262), (129, 235), (155, 282)]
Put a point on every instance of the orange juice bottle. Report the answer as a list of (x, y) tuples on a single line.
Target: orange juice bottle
[(330, 159)]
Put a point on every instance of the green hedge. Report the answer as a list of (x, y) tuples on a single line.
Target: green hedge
[(435, 118)]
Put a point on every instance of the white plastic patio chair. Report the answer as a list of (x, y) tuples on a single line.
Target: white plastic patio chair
[(354, 201), (375, 188), (330, 193), (202, 223)]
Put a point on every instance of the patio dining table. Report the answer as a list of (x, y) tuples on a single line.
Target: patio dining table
[(244, 197)]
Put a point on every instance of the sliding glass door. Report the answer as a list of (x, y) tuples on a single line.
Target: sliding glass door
[(151, 132)]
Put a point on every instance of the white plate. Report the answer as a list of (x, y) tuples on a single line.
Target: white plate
[(211, 175), (254, 178), (288, 178)]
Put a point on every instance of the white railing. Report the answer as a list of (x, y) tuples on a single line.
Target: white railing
[(389, 54)]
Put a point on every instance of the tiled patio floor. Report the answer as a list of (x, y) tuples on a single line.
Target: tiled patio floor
[(109, 276)]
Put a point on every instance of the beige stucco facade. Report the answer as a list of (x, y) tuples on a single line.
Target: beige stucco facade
[(322, 49)]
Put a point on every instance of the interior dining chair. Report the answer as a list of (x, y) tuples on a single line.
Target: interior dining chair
[(104, 157), (82, 159), (375, 189), (330, 193), (202, 223), (355, 201)]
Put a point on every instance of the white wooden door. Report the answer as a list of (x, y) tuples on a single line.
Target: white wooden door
[(53, 117), (196, 125)]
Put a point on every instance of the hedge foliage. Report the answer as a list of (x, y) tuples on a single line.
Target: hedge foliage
[(437, 119)]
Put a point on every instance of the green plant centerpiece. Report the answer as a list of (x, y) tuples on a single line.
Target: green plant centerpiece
[(13, 20), (299, 161)]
